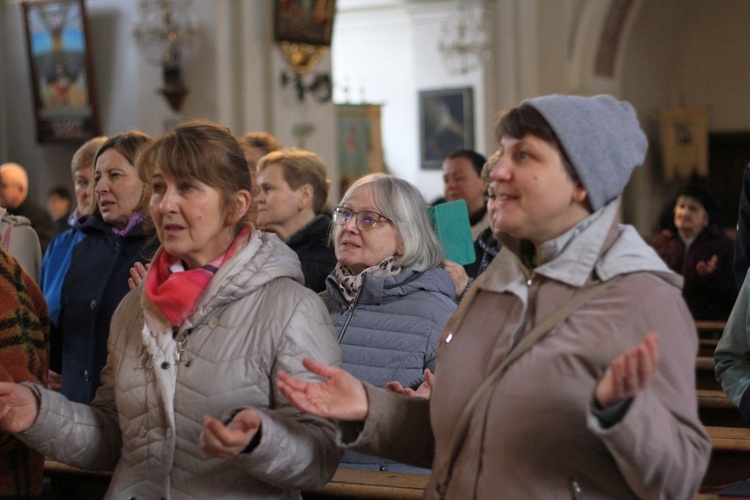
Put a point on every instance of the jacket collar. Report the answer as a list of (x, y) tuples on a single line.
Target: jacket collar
[(96, 224), (376, 290), (597, 247), (263, 259), (318, 226)]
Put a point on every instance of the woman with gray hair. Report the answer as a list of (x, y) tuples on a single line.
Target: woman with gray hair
[(388, 296)]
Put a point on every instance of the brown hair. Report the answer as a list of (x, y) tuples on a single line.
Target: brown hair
[(260, 140), (301, 167), (525, 119), (489, 165), (127, 144), (201, 150)]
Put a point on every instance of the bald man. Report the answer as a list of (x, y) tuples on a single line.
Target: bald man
[(14, 191)]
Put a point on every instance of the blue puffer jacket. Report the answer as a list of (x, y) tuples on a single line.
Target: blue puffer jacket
[(55, 266), (392, 332)]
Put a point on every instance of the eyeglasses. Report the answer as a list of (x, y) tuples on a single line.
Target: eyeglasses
[(365, 220)]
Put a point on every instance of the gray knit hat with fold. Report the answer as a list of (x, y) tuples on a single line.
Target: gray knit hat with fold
[(601, 137)]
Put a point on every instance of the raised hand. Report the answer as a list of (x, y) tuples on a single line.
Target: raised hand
[(18, 407), (137, 274), (54, 381), (339, 397), (226, 441), (458, 275), (629, 373), (706, 267), (423, 391)]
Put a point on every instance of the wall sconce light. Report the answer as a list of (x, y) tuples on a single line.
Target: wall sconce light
[(304, 35), (165, 30)]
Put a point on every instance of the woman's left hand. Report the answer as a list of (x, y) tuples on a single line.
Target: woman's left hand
[(423, 391), (458, 275), (629, 373), (226, 441)]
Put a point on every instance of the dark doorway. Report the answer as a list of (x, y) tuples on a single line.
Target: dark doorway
[(728, 153)]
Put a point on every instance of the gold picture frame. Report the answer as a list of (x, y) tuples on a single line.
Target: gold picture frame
[(309, 22), (683, 134)]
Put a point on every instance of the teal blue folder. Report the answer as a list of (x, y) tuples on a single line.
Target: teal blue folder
[(451, 223)]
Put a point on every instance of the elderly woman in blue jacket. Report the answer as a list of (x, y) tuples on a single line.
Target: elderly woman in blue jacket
[(389, 296)]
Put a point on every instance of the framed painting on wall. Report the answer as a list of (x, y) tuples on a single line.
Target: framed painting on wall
[(360, 149), (684, 142), (61, 72), (308, 22), (446, 123)]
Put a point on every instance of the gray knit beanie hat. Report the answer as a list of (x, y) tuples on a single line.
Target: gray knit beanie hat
[(600, 136)]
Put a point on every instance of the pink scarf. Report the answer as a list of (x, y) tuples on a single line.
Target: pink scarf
[(175, 293)]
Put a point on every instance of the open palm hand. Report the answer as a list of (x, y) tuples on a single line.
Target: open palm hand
[(339, 397)]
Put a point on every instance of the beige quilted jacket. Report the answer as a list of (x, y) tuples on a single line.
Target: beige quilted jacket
[(254, 319)]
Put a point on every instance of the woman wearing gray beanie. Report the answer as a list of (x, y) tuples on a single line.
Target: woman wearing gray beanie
[(552, 380)]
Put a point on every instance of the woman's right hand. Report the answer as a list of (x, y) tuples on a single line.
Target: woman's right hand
[(18, 407), (138, 274), (339, 397), (706, 267), (54, 381)]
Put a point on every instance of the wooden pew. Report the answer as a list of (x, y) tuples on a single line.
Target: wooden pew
[(72, 482), (705, 375), (729, 463), (351, 483), (710, 329), (707, 347), (715, 409), (730, 455), (346, 483)]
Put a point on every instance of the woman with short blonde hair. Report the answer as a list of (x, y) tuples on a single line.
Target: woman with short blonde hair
[(291, 203), (116, 236)]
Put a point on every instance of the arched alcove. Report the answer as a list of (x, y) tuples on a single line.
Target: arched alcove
[(668, 54)]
